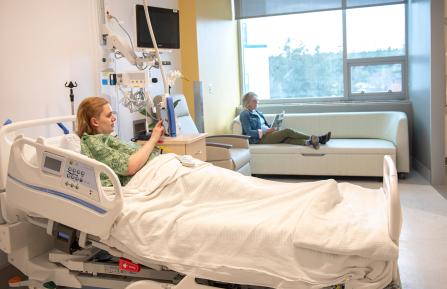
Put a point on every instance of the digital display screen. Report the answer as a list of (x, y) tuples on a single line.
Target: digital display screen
[(52, 164), (165, 24)]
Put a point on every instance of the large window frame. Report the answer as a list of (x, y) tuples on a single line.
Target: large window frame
[(348, 64)]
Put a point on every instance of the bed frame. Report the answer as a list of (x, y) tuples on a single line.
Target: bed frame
[(34, 221)]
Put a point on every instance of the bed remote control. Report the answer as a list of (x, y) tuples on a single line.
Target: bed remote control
[(187, 160)]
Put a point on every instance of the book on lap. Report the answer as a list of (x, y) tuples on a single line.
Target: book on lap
[(277, 121)]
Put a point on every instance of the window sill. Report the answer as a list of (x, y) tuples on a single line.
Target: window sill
[(335, 106)]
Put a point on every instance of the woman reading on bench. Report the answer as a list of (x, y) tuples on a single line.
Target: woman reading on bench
[(256, 126)]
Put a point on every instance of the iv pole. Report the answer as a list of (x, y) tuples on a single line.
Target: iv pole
[(71, 86)]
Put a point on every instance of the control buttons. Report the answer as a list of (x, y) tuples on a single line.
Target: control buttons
[(79, 178), (71, 185)]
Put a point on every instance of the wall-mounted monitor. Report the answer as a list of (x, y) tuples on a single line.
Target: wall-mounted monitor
[(165, 24)]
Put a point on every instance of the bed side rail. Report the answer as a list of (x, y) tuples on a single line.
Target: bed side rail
[(9, 132), (393, 198), (62, 186)]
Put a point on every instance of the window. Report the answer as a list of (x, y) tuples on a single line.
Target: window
[(376, 51), (375, 31), (283, 58), (373, 78), (338, 54)]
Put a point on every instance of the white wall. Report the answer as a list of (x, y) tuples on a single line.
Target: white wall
[(43, 45)]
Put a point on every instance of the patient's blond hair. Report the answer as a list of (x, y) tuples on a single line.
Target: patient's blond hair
[(88, 108)]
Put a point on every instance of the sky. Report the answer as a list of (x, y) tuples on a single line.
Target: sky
[(368, 29)]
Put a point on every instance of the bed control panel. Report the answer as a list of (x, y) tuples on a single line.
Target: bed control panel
[(52, 163), (81, 178)]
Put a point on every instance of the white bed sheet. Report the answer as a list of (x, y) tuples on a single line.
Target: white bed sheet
[(215, 223)]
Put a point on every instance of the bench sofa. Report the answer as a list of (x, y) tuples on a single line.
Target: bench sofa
[(359, 142)]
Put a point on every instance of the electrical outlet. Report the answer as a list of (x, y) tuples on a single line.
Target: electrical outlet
[(210, 89)]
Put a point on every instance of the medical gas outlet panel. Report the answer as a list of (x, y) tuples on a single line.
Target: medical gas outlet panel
[(75, 175)]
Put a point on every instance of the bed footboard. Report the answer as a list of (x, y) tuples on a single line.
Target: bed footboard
[(393, 198), (394, 209)]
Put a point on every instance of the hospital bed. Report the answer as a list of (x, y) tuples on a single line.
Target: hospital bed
[(55, 216)]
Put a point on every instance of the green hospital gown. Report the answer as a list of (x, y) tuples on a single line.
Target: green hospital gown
[(113, 152)]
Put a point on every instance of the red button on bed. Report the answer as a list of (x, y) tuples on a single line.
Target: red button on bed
[(127, 265)]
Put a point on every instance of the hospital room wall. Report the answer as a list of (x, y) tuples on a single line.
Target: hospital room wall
[(427, 87), (43, 45), (211, 56), (189, 54)]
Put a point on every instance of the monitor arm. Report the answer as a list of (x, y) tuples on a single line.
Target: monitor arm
[(117, 44)]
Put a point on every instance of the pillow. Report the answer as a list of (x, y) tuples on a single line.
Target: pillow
[(236, 126), (70, 142)]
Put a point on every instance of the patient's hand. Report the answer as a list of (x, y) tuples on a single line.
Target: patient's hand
[(157, 131), (140, 157)]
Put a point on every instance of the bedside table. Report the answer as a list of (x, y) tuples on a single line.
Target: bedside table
[(193, 144)]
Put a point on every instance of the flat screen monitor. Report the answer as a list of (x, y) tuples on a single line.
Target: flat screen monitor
[(165, 24)]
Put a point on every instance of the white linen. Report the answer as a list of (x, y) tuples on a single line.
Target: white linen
[(69, 141), (216, 223)]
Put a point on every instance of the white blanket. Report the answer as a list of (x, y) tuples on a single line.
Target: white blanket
[(218, 224)]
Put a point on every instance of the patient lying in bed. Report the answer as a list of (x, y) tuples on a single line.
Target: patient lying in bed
[(208, 221)]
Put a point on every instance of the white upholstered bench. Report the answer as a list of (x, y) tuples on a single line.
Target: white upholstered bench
[(359, 142)]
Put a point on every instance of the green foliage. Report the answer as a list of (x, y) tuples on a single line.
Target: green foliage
[(143, 111), (298, 72)]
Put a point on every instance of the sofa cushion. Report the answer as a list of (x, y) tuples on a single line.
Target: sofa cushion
[(334, 146), (240, 157)]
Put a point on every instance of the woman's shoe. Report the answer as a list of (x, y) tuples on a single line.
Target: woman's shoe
[(323, 139), (313, 141)]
